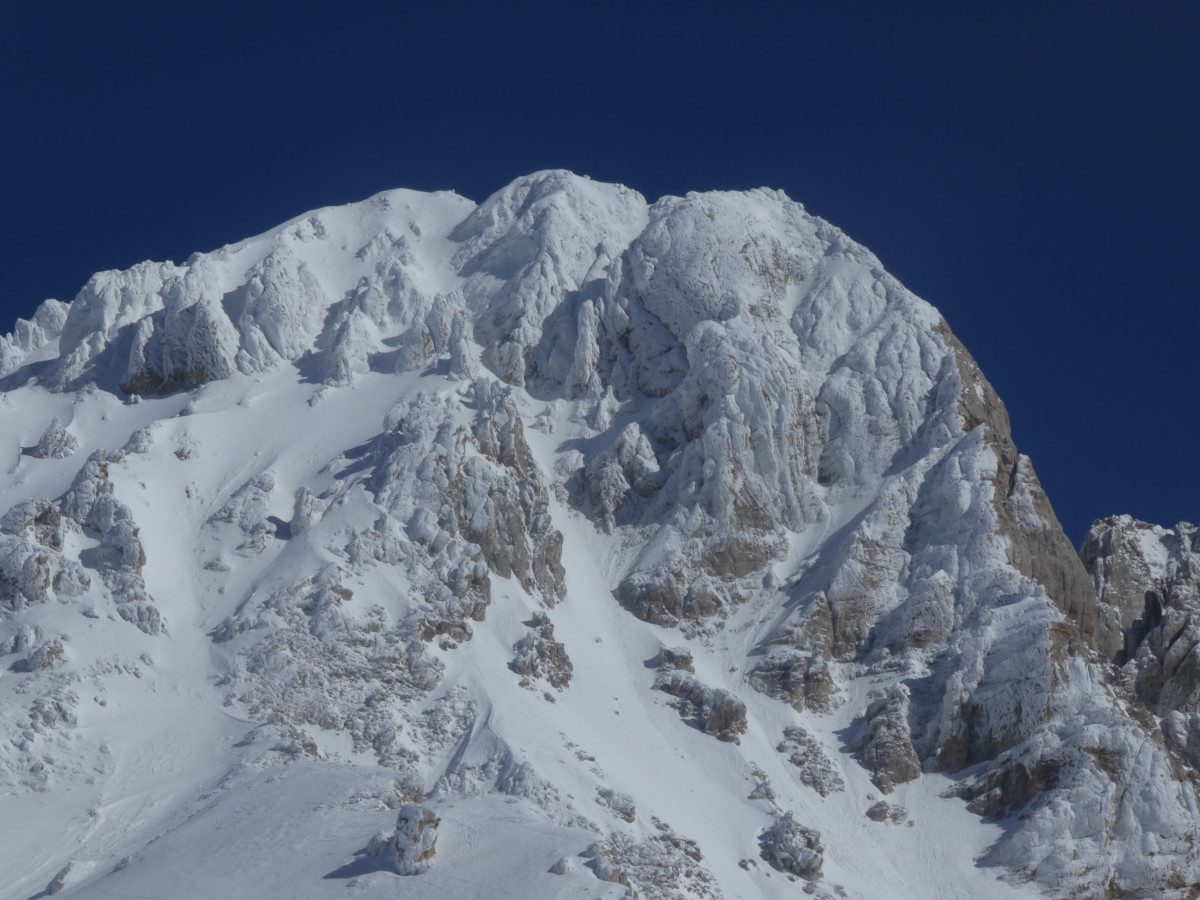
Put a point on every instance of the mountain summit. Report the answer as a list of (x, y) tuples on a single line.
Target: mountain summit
[(563, 545)]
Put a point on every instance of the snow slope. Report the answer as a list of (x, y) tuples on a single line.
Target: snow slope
[(669, 549)]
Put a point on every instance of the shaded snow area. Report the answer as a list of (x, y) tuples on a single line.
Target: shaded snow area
[(562, 546)]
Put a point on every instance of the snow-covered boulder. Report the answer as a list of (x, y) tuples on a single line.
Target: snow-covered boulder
[(714, 711), (791, 847), (56, 442), (415, 842), (538, 655)]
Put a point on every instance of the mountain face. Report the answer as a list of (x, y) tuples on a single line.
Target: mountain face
[(1148, 585), (564, 546)]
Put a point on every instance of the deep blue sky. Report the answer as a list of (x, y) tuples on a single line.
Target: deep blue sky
[(1029, 168)]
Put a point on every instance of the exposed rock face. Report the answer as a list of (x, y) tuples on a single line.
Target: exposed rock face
[(714, 711), (674, 658), (479, 504), (1038, 547), (1148, 583), (1142, 573), (886, 749), (800, 678), (184, 347), (519, 538), (621, 475), (59, 881)]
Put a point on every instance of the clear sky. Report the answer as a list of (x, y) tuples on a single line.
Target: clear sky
[(1032, 169)]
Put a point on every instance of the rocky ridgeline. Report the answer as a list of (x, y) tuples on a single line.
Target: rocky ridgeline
[(759, 425)]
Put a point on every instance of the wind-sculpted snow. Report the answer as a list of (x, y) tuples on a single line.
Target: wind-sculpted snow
[(528, 248), (31, 336), (414, 495)]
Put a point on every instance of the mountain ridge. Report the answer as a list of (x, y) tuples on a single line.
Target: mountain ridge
[(806, 529)]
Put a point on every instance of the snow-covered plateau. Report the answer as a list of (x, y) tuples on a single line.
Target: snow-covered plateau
[(563, 546)]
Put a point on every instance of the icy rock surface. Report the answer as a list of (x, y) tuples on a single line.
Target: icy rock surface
[(790, 847), (714, 711), (415, 842), (664, 866), (504, 511), (538, 655), (813, 766), (56, 442), (32, 337), (1148, 584)]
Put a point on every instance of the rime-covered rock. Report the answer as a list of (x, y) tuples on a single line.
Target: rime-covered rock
[(813, 766), (674, 658), (139, 442), (790, 847), (1147, 581), (44, 656), (32, 571), (886, 812), (621, 805), (56, 442), (40, 521), (189, 343), (538, 655), (714, 711), (663, 866), (886, 749), (415, 842), (1144, 576), (799, 678), (29, 336), (246, 509)]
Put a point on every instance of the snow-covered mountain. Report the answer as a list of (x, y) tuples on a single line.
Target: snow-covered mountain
[(563, 546)]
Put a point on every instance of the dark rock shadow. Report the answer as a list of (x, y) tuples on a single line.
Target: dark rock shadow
[(283, 530), (440, 366), (309, 367), (364, 864), (366, 456)]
